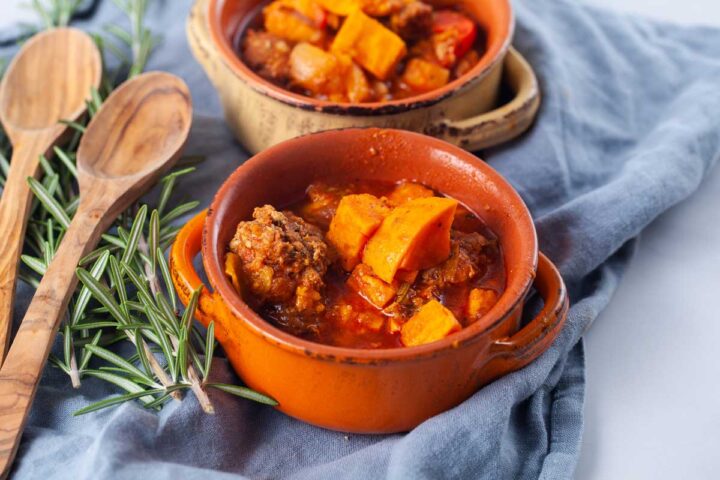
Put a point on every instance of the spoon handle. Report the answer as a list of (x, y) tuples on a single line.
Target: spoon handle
[(14, 210), (21, 371)]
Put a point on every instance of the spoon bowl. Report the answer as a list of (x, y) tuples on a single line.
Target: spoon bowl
[(156, 109), (49, 80)]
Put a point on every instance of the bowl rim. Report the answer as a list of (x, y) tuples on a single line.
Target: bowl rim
[(490, 59), (505, 307)]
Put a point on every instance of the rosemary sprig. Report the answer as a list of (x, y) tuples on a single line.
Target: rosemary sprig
[(55, 13), (139, 38), (123, 324)]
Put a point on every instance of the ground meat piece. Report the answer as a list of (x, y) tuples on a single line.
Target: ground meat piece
[(283, 259), (382, 8), (466, 63), (323, 200), (466, 261), (412, 21), (444, 44), (267, 54)]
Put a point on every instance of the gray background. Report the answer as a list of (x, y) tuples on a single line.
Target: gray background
[(652, 408)]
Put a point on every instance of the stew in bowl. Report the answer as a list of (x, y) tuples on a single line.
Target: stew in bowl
[(360, 375), (361, 50), (368, 265)]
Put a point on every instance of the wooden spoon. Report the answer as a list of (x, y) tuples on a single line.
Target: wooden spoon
[(48, 81), (138, 134)]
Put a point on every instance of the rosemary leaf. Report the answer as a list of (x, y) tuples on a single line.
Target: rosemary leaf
[(165, 270), (209, 349), (154, 238), (67, 344), (84, 297), (36, 265), (116, 277), (122, 382), (58, 363), (134, 235), (121, 363), (94, 325), (244, 392), (87, 354), (32, 281), (75, 125), (65, 159), (162, 341), (189, 313), (119, 33), (50, 204), (179, 211), (4, 165), (94, 255), (112, 401), (47, 168), (101, 294), (142, 356)]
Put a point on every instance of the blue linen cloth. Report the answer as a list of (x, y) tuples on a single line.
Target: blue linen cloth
[(629, 126)]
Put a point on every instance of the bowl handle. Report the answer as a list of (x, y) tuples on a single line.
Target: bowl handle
[(514, 352), (503, 123), (186, 279)]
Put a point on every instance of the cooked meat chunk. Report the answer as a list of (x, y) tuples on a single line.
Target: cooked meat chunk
[(267, 54), (413, 21), (283, 259), (382, 8), (467, 260), (466, 63), (464, 263)]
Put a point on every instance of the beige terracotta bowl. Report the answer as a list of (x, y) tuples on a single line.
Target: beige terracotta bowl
[(466, 112)]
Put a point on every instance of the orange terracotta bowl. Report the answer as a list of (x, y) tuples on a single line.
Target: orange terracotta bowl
[(385, 390)]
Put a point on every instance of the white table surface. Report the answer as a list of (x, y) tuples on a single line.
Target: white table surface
[(653, 366)]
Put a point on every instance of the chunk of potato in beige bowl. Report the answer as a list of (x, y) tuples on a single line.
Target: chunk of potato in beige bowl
[(371, 390), (467, 112)]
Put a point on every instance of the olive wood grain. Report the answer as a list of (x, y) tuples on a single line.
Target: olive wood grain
[(48, 81), (138, 134)]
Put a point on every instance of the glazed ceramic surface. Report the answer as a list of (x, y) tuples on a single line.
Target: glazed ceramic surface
[(386, 390), (463, 112)]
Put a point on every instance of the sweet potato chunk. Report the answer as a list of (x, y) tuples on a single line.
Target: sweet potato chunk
[(358, 88), (480, 301), (406, 191), (370, 287), (414, 236), (233, 266), (431, 323), (423, 76), (284, 21), (340, 7), (356, 219), (316, 70), (369, 43)]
